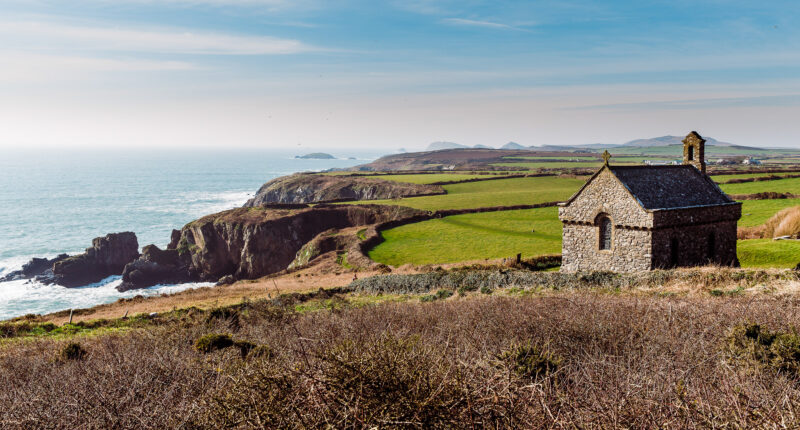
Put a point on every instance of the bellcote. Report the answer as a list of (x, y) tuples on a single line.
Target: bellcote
[(694, 151)]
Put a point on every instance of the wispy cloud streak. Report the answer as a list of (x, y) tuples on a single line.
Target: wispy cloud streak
[(172, 41), (479, 23)]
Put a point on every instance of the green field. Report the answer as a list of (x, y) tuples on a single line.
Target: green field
[(500, 192), (428, 178), (790, 185), (493, 235), (768, 253), (755, 212), (506, 233), (472, 237), (723, 178)]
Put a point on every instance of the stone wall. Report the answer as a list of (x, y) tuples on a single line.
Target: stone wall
[(697, 215), (605, 194), (693, 245), (630, 249)]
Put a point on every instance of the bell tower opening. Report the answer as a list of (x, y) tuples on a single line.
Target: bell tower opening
[(694, 151)]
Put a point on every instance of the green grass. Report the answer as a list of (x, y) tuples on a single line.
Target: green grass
[(755, 212), (550, 164), (790, 185), (433, 177), (722, 178), (472, 237), (768, 253), (500, 192)]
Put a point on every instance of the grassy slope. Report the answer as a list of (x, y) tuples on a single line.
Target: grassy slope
[(790, 185), (755, 212), (768, 253), (472, 237), (501, 192), (502, 234), (432, 177)]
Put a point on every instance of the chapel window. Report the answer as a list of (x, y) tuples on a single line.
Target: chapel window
[(605, 232)]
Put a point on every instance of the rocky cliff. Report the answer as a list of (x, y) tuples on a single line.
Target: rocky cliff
[(107, 256), (247, 243), (314, 188)]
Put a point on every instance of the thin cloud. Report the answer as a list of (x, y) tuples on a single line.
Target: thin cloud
[(478, 23), (704, 103), (48, 35)]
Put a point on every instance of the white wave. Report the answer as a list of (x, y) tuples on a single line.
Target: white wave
[(25, 297), (8, 265)]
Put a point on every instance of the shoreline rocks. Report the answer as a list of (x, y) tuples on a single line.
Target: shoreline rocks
[(107, 256), (156, 266), (37, 267)]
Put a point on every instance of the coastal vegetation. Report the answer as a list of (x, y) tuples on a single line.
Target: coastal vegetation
[(513, 355)]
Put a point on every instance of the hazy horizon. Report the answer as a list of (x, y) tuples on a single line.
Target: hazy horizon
[(308, 75)]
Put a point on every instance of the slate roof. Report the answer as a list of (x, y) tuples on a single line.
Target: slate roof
[(670, 187)]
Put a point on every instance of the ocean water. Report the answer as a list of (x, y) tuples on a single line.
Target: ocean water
[(55, 201)]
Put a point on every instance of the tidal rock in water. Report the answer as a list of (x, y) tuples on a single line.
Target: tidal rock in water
[(107, 257), (34, 268), (156, 266)]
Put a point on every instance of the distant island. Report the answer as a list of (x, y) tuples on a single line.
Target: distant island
[(316, 156)]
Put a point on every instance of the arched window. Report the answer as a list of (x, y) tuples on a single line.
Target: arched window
[(691, 153), (604, 223)]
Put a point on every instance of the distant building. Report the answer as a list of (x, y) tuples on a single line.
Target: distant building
[(751, 161), (633, 218)]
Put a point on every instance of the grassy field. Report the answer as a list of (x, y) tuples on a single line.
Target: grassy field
[(433, 177), (768, 253), (722, 178), (790, 185), (504, 234), (500, 192), (755, 212), (472, 237)]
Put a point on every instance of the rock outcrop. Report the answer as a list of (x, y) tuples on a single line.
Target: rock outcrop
[(156, 266), (248, 243), (107, 256), (314, 188), (37, 267)]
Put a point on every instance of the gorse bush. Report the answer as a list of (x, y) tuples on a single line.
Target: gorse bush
[(773, 349), (213, 342), (72, 352), (529, 361)]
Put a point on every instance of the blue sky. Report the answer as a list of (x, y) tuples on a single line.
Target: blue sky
[(371, 74)]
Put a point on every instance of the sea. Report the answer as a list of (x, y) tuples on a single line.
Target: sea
[(56, 201)]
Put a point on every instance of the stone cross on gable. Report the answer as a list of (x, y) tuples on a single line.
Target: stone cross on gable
[(606, 157)]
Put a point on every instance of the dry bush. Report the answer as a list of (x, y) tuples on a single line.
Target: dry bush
[(572, 359), (784, 223)]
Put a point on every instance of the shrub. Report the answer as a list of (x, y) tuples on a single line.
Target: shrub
[(212, 342), (486, 290), (773, 349), (529, 361), (72, 352)]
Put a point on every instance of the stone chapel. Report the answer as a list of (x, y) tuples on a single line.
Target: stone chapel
[(632, 218)]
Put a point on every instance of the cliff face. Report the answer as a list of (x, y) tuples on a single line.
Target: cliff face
[(247, 243), (312, 188), (107, 256)]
